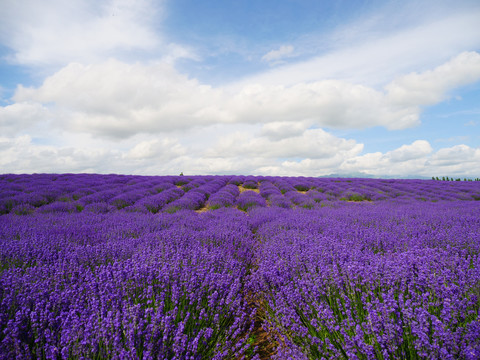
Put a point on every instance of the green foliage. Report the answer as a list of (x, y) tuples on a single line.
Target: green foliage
[(172, 209), (187, 188), (351, 302), (181, 182), (119, 203), (308, 206), (23, 210), (354, 197), (247, 206), (250, 353), (301, 187), (446, 178)]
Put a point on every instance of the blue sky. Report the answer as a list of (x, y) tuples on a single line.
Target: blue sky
[(364, 88)]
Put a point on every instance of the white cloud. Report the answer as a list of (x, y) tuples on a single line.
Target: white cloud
[(322, 153), (314, 153), (101, 112), (457, 157), (313, 144), (417, 158), (431, 87), (22, 116), (407, 159), (278, 130), (155, 149), (118, 100), (281, 53), (23, 155), (56, 32), (381, 53), (417, 149)]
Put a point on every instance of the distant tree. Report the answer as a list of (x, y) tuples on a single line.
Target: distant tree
[(181, 174), (443, 178)]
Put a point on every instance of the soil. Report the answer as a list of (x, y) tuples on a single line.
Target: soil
[(242, 189), (263, 340)]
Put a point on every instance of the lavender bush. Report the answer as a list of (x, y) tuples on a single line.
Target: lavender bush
[(116, 266), (118, 288), (225, 197), (250, 199), (386, 282)]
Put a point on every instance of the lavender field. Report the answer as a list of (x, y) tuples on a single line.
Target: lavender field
[(238, 267)]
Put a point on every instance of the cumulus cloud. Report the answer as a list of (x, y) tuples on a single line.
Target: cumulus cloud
[(278, 130), (118, 100), (276, 55), (313, 143), (372, 53), (58, 32), (155, 149), (318, 153), (313, 153), (417, 158), (22, 116), (407, 159), (114, 99), (418, 149), (432, 86), (23, 155), (456, 159), (99, 111)]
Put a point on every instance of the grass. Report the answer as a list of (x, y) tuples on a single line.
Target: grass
[(355, 197)]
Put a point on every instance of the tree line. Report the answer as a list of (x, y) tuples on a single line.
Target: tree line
[(446, 178)]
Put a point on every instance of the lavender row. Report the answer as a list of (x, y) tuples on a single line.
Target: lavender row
[(123, 285), (371, 282), (24, 194)]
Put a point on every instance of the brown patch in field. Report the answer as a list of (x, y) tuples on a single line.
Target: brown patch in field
[(242, 189), (202, 209), (262, 339)]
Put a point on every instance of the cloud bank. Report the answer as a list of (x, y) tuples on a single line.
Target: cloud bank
[(276, 55), (58, 32), (119, 100), (100, 109), (315, 153)]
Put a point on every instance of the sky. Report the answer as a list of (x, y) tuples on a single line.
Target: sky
[(284, 88)]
